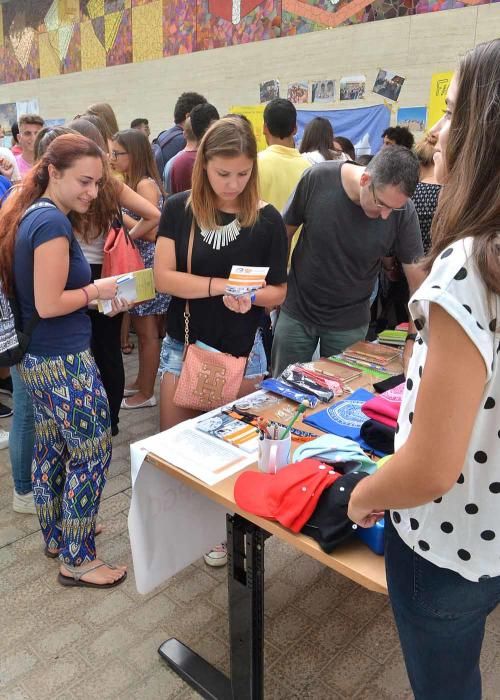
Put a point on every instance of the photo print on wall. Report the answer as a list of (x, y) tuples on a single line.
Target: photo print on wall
[(413, 118), (352, 87), (388, 84), (298, 93), (323, 91), (269, 90)]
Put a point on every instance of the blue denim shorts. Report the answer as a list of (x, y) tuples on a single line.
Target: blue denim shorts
[(172, 351)]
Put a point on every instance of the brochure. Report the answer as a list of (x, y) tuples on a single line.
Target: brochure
[(245, 279), (134, 287), (231, 430)]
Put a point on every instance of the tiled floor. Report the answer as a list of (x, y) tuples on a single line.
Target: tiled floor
[(326, 638)]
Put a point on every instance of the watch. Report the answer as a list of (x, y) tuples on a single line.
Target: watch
[(410, 336)]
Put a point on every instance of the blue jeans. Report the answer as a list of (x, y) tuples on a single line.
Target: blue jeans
[(171, 357), (22, 435), (440, 618)]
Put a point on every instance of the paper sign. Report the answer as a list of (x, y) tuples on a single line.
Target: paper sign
[(255, 115), (440, 83)]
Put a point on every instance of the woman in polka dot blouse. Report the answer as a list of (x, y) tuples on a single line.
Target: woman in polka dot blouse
[(441, 490)]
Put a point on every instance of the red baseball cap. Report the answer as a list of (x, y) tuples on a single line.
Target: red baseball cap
[(290, 496)]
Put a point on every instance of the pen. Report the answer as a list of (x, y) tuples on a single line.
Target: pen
[(305, 404)]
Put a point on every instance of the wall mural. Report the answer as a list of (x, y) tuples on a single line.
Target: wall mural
[(44, 38)]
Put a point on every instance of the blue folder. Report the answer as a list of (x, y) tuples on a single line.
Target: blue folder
[(344, 418)]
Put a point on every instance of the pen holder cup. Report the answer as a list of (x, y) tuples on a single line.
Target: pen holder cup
[(274, 454)]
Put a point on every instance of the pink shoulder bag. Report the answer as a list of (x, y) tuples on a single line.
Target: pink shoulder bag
[(208, 379)]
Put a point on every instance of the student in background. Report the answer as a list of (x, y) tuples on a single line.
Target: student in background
[(171, 141), (343, 144), (398, 136), (15, 147), (142, 124), (317, 142), (200, 119), (441, 487), (280, 164), (133, 158), (29, 126), (426, 195)]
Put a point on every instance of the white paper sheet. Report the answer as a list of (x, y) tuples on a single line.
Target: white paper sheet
[(170, 524)]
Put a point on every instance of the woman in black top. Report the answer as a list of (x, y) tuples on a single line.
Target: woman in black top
[(233, 227), (425, 197)]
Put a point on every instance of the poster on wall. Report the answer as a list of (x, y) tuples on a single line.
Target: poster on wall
[(269, 90), (27, 107), (255, 115), (413, 118), (8, 116), (440, 83), (352, 87), (323, 91), (388, 84), (298, 93)]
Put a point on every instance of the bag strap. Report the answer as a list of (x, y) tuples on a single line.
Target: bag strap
[(188, 270), (123, 226)]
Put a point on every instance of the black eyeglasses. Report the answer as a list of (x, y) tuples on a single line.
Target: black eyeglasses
[(115, 154), (380, 205)]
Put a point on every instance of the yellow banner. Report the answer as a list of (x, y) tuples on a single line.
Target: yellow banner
[(440, 83), (255, 114)]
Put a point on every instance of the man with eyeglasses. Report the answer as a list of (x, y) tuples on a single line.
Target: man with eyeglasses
[(351, 218)]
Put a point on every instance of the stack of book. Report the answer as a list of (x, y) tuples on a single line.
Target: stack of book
[(393, 337), (372, 358)]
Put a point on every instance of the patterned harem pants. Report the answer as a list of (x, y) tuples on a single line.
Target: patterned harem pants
[(72, 449)]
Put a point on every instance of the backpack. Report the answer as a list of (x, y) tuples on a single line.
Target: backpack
[(159, 143), (14, 339)]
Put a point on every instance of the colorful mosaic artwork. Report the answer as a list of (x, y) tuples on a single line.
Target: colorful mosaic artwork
[(43, 38)]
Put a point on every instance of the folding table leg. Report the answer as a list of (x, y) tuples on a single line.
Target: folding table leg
[(245, 545)]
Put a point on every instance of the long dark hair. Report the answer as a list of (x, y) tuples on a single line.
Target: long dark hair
[(140, 158), (62, 153), (318, 136), (469, 204)]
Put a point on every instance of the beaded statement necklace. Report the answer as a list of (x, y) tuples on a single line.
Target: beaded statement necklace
[(222, 235)]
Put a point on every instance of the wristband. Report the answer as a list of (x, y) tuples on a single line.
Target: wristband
[(86, 296), (253, 297), (210, 287), (411, 336), (96, 288)]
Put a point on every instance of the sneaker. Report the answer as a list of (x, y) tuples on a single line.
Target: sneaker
[(24, 503), (5, 411), (6, 386), (4, 439), (217, 556)]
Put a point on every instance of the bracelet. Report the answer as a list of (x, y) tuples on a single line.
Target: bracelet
[(96, 288), (411, 336), (210, 287), (86, 296), (253, 297)]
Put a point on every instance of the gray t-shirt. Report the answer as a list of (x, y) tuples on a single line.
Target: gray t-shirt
[(337, 258)]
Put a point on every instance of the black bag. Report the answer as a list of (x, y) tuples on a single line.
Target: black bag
[(14, 339)]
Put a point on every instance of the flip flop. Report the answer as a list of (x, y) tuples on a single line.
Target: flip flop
[(75, 579), (55, 555)]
